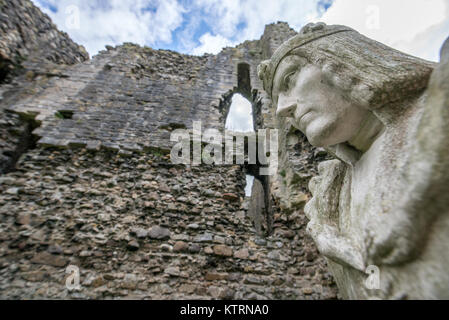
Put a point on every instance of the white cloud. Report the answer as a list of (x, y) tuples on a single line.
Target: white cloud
[(229, 22), (211, 44), (237, 21), (115, 21), (417, 27), (296, 12)]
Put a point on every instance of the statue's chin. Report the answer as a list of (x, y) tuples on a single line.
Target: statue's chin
[(319, 132), (317, 139), (322, 133), (316, 142)]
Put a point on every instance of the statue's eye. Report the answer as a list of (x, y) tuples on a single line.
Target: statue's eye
[(288, 80)]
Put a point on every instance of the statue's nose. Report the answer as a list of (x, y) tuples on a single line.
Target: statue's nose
[(286, 106)]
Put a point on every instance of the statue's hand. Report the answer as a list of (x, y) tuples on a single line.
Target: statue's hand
[(322, 210), (397, 240), (336, 247), (323, 207)]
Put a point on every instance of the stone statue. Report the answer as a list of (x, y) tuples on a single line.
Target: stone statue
[(382, 205)]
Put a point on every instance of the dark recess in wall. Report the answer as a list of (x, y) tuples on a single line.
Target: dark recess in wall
[(244, 80), (4, 69), (26, 141)]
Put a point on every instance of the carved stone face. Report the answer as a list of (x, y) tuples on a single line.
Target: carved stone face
[(318, 108)]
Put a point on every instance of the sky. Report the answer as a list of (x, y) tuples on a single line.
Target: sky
[(418, 27)]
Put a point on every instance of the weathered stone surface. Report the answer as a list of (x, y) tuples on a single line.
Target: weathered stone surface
[(173, 271), (140, 233), (118, 248), (207, 237), (231, 197), (41, 43), (376, 206), (31, 50), (159, 233), (256, 210), (49, 259), (180, 246), (210, 276), (222, 250), (133, 245), (241, 254), (99, 180)]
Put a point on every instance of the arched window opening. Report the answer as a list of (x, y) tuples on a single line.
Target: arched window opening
[(240, 116), (240, 119)]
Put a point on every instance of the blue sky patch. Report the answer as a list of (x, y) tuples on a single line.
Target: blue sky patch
[(207, 26)]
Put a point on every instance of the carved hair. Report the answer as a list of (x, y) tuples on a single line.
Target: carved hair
[(368, 72)]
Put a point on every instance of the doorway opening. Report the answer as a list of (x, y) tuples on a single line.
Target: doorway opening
[(240, 119), (242, 109)]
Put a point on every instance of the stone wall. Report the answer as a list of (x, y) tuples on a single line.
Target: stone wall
[(93, 185), (28, 35), (32, 51), (138, 227)]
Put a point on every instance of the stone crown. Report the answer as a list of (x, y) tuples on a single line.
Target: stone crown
[(310, 32)]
